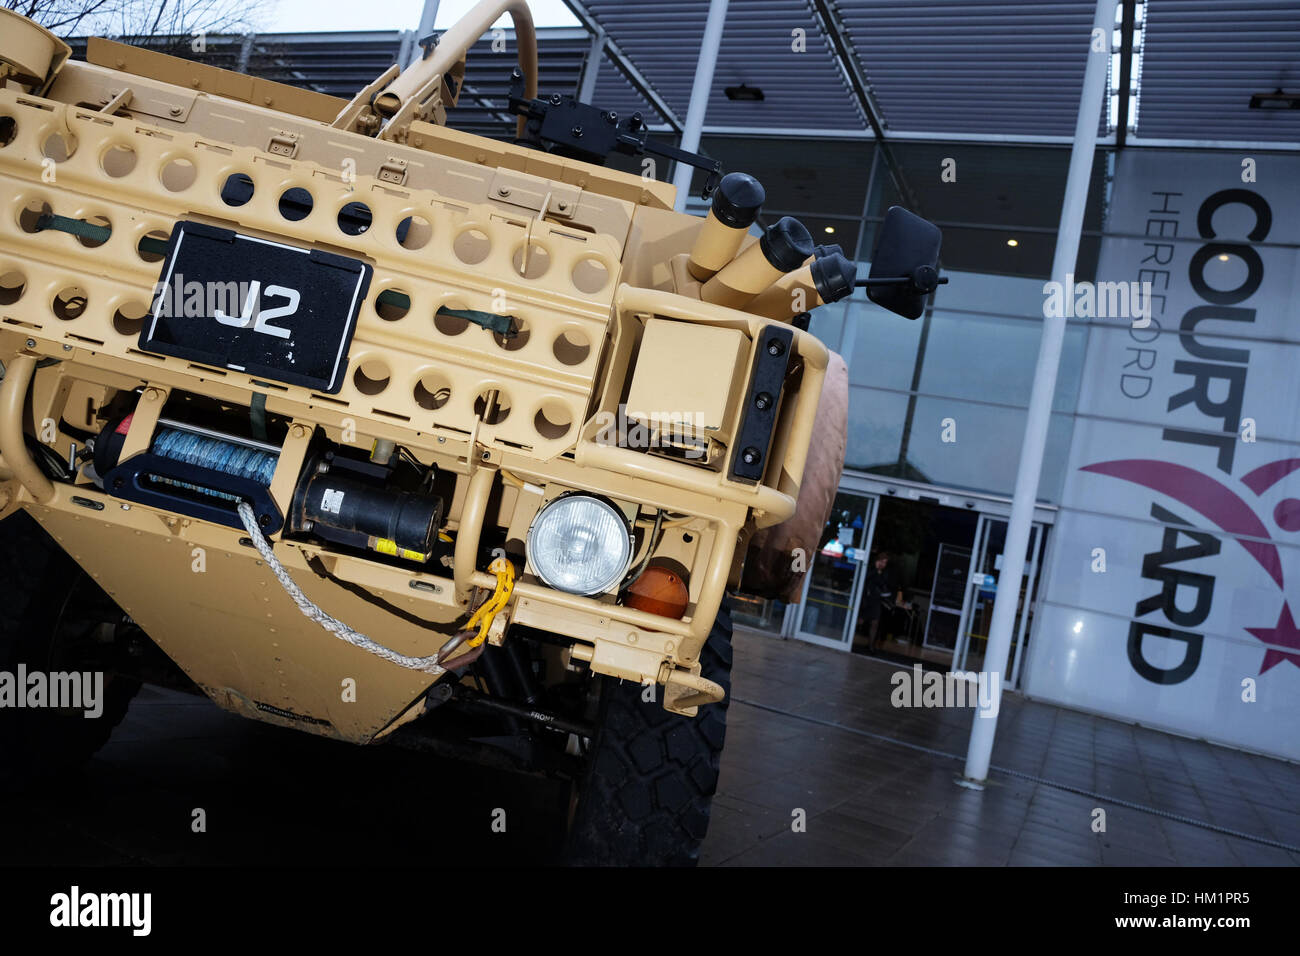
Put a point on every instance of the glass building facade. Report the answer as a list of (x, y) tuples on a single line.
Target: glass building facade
[(1139, 468)]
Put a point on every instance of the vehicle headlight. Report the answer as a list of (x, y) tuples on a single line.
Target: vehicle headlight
[(580, 544)]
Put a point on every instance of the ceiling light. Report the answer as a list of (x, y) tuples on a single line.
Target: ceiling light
[(743, 92), (1275, 101), (1013, 242), (1223, 257), (830, 228)]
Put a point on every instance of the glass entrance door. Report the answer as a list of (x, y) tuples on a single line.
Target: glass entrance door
[(981, 588), (832, 588)]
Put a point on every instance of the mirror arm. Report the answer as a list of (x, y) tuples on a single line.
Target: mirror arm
[(893, 280)]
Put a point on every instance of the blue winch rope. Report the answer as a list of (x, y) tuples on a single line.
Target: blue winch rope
[(227, 457)]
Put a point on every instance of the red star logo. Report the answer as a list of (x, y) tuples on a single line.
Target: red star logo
[(1285, 634)]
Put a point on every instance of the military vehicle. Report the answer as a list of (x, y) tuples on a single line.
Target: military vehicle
[(374, 429)]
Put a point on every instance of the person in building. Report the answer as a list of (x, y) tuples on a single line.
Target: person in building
[(876, 593)]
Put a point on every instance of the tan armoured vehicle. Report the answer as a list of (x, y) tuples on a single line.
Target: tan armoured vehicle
[(371, 428)]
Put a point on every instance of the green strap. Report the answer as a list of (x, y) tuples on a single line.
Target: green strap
[(86, 230), (75, 227), (157, 247), (505, 325), (257, 416)]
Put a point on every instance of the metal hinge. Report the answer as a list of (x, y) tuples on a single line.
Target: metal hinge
[(283, 144), (393, 171)]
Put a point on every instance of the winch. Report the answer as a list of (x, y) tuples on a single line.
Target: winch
[(204, 473)]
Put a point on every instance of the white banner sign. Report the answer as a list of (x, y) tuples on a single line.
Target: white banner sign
[(1174, 587)]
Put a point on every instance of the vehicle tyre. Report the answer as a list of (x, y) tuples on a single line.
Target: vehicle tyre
[(53, 617), (651, 775)]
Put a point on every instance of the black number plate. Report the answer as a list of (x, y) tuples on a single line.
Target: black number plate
[(271, 310)]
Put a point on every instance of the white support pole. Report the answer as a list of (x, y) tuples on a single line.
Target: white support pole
[(1040, 399), (709, 46), (591, 68)]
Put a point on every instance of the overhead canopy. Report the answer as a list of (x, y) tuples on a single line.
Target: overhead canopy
[(989, 70), (978, 70)]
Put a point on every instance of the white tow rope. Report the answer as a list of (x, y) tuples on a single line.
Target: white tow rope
[(336, 627)]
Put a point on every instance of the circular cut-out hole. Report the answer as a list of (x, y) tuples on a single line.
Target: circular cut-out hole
[(433, 390), (129, 318), (152, 245), (237, 189), (94, 242), (414, 232), (118, 161), (449, 324), (8, 130), (31, 214), (354, 218), (590, 276), (472, 246), (59, 146), (371, 377), (492, 405), (538, 261), (70, 303), (392, 304), (178, 174), (553, 420), (571, 347), (295, 204), (517, 341), (12, 285)]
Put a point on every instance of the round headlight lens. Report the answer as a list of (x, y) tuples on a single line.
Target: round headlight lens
[(580, 544)]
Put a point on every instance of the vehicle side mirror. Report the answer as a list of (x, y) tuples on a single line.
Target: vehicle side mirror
[(905, 267)]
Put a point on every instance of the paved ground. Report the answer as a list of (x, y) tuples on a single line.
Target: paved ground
[(872, 797), (273, 796)]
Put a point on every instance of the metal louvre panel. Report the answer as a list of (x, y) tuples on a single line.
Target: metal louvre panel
[(973, 66), (615, 92), (1205, 58), (804, 90)]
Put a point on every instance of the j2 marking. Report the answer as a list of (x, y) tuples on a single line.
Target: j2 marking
[(260, 319)]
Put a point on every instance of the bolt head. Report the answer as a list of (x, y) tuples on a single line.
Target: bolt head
[(750, 456), (775, 347), (577, 132), (555, 99), (31, 343), (762, 401)]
